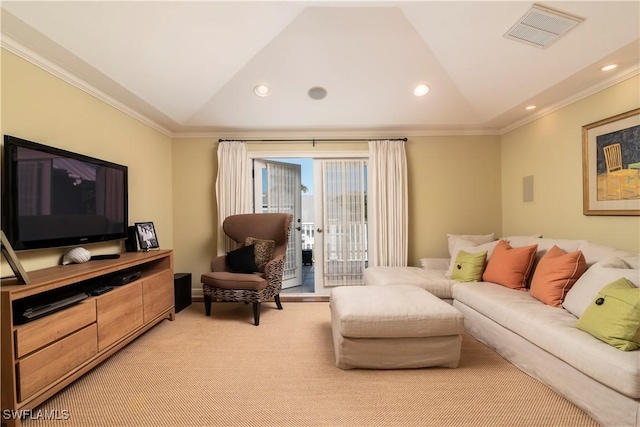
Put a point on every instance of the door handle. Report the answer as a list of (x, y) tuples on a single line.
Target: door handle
[(319, 230), (298, 228)]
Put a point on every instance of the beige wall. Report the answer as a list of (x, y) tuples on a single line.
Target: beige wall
[(43, 108), (550, 149), (457, 184), (195, 167), (454, 187)]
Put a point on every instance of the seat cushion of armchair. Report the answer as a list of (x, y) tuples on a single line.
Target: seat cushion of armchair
[(228, 280)]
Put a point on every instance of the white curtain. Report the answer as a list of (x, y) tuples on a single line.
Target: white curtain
[(233, 187), (389, 207)]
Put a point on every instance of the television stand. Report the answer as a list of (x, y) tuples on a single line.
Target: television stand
[(43, 356)]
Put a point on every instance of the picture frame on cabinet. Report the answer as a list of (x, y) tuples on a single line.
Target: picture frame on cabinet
[(611, 165), (13, 261), (147, 238)]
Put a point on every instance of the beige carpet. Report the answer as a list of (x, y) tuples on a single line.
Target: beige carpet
[(223, 371)]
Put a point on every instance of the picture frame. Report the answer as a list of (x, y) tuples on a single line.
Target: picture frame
[(11, 257), (147, 238), (611, 165)]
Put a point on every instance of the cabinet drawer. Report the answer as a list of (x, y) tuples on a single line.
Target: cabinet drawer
[(45, 366), (157, 292), (119, 313), (51, 328)]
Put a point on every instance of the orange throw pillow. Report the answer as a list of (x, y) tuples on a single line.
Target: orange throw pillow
[(555, 275), (509, 266)]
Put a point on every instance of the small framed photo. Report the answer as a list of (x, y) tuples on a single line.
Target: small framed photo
[(147, 238)]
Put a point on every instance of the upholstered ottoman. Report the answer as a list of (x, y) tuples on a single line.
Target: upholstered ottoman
[(393, 327)]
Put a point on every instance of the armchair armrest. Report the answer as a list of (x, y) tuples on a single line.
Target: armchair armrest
[(219, 263), (274, 270), (435, 263)]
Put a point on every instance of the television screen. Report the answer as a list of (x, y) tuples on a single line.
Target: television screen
[(54, 197)]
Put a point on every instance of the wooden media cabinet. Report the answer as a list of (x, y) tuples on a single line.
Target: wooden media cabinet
[(42, 356)]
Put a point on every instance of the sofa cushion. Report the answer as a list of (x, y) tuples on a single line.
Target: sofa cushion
[(510, 266), (476, 239), (470, 247), (614, 316), (555, 274), (433, 281), (554, 331), (469, 267), (586, 288)]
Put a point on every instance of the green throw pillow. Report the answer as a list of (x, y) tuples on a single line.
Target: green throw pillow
[(469, 267), (614, 316)]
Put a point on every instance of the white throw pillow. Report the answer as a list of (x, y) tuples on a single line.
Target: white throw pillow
[(521, 241), (633, 262), (469, 247), (583, 292), (594, 252), (476, 239), (434, 263)]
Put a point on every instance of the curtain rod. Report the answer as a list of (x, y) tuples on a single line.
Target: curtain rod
[(314, 140)]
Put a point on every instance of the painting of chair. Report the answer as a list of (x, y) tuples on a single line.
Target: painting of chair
[(621, 183)]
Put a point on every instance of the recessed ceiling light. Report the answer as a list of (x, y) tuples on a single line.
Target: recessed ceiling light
[(609, 67), (261, 90), (530, 107), (421, 90), (317, 92)]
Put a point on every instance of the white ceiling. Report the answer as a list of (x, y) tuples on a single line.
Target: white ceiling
[(190, 67)]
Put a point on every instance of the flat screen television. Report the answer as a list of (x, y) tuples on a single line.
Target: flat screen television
[(54, 198)]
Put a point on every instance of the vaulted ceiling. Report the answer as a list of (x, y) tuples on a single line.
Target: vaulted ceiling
[(191, 67)]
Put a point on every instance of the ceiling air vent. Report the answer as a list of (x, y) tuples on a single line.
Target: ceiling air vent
[(541, 26)]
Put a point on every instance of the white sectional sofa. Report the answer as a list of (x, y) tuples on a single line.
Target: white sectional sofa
[(540, 339)]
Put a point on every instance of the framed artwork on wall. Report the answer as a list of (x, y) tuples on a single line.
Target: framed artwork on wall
[(147, 238), (611, 165)]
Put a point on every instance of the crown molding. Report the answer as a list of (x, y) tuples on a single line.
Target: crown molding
[(337, 134), (12, 45), (578, 96)]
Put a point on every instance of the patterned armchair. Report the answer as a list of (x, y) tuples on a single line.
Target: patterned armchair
[(259, 283)]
